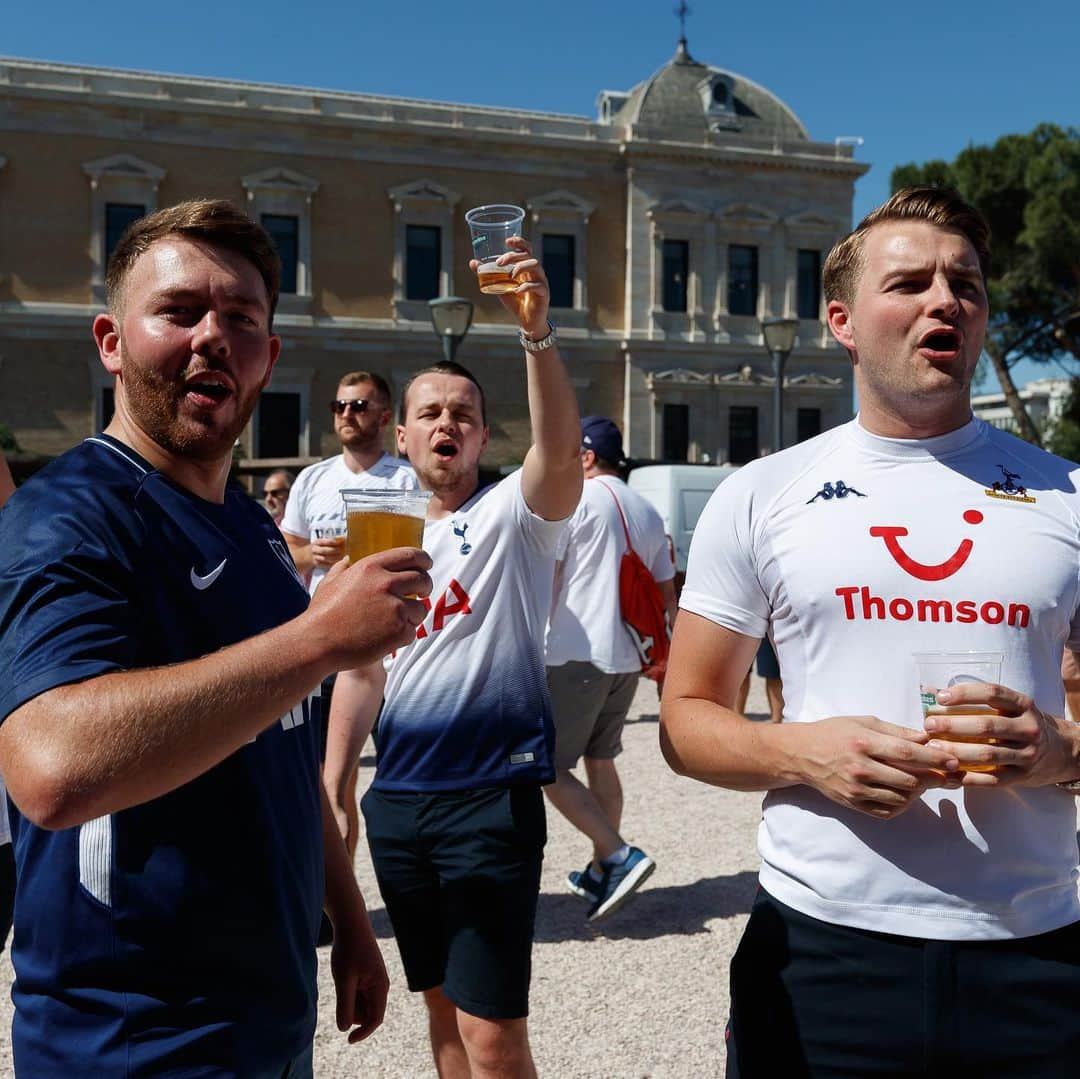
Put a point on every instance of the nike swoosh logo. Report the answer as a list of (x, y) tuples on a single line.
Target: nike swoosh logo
[(205, 582)]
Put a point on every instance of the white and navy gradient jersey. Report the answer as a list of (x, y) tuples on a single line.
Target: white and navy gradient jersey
[(854, 552), (466, 702), (178, 936)]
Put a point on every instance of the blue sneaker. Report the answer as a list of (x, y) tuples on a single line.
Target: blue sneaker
[(620, 882), (583, 884)]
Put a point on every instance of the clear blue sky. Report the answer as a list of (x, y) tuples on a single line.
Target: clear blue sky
[(915, 80)]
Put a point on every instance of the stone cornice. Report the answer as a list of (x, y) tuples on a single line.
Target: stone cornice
[(93, 86)]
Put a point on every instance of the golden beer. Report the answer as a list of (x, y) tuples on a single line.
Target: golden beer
[(495, 279), (966, 739), (371, 531)]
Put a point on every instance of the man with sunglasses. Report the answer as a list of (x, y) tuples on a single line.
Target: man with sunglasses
[(361, 409), (314, 529), (276, 493)]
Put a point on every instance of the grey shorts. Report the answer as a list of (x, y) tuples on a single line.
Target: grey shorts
[(589, 708)]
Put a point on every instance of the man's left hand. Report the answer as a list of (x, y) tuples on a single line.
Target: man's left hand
[(530, 300), (1029, 748), (360, 977)]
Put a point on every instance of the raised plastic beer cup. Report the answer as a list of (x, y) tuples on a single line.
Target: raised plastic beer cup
[(380, 519), (940, 670), (490, 228)]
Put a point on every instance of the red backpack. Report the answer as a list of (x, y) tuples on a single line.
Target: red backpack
[(642, 607)]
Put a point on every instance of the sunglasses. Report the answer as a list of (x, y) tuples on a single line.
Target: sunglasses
[(275, 492), (339, 407)]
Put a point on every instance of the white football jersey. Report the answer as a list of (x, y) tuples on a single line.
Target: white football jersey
[(854, 552)]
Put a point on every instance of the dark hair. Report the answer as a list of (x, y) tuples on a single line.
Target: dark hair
[(939, 206), (216, 222), (443, 367), (382, 387)]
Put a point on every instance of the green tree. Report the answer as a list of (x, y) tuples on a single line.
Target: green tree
[(1028, 188), (1063, 435)]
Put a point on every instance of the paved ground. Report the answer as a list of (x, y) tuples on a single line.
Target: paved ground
[(645, 992)]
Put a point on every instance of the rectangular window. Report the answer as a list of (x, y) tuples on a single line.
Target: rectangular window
[(284, 230), (808, 301), (558, 260), (742, 287), (278, 432), (742, 434), (676, 434), (676, 258), (118, 215), (423, 263), (808, 423)]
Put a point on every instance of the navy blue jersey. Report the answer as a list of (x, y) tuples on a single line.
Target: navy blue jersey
[(178, 936)]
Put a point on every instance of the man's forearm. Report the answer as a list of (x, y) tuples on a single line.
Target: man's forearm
[(300, 549), (83, 750), (552, 476), (716, 745)]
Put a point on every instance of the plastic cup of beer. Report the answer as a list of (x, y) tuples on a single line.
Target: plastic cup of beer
[(381, 519), (942, 670), (334, 531), (491, 227)]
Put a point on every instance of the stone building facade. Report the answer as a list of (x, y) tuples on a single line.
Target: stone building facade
[(694, 204)]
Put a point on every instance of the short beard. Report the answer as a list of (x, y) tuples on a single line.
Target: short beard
[(154, 404)]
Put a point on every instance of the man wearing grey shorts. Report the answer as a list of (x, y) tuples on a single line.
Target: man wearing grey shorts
[(593, 664)]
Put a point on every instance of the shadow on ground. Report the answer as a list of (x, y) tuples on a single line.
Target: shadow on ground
[(677, 909)]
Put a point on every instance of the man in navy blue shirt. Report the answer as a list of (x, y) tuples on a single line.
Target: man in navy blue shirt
[(157, 649)]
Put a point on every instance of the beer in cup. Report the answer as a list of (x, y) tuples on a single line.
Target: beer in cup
[(490, 228), (382, 518), (942, 670), (335, 531)]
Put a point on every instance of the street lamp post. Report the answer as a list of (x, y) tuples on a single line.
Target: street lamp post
[(778, 334), (451, 317)]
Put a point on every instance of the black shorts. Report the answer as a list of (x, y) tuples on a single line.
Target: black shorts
[(768, 666), (459, 873), (809, 998)]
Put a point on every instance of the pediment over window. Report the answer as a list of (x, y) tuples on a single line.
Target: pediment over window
[(747, 213), (681, 375), (814, 380), (123, 166), (561, 202), (280, 179), (423, 191), (676, 207)]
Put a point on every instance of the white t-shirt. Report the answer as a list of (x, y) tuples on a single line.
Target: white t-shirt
[(586, 625), (315, 499), (855, 551), (466, 702)]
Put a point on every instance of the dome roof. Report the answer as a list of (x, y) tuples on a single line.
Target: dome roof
[(687, 100)]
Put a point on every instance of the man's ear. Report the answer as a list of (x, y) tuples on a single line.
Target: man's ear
[(838, 316), (275, 351), (399, 437), (106, 330)]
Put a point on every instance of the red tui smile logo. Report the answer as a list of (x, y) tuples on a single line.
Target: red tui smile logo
[(891, 535)]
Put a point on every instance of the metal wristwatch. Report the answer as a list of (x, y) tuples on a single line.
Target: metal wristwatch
[(1072, 785), (539, 345)]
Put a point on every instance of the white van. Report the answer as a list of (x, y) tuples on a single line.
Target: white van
[(679, 493)]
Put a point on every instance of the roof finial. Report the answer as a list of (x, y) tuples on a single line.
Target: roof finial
[(684, 9)]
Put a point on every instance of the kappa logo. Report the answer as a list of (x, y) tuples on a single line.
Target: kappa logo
[(204, 582), (892, 535), (835, 490), (1009, 490)]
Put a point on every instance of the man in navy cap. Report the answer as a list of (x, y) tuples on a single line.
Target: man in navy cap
[(593, 664)]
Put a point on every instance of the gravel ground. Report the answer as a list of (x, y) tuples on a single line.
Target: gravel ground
[(644, 993)]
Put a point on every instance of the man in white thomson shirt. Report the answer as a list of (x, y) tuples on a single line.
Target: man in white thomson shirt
[(314, 529), (914, 918), (593, 665)]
